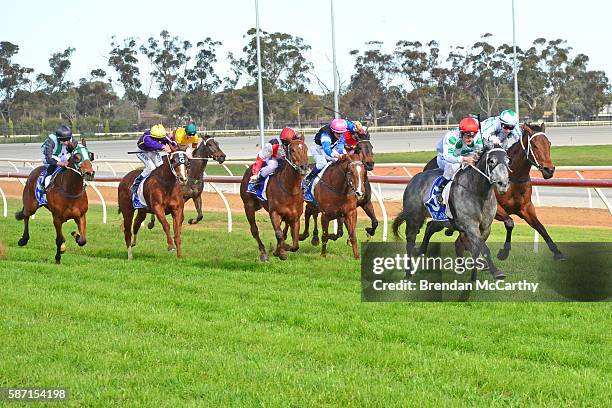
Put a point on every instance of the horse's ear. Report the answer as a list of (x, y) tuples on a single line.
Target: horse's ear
[(91, 156), (543, 126), (84, 142)]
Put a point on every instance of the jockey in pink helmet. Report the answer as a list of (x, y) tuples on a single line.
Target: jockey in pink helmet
[(328, 146)]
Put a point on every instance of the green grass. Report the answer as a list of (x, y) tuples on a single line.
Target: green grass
[(597, 155), (218, 328)]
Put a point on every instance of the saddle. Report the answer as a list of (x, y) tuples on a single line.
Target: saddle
[(259, 189), (439, 212), (39, 191)]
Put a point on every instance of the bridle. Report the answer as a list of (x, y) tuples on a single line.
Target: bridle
[(182, 160), (288, 157), (487, 173), (529, 150)]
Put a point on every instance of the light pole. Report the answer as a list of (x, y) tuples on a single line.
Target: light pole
[(259, 86), (516, 94), (336, 109)]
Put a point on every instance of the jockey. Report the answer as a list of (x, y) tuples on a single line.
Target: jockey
[(502, 130), (270, 153), (150, 144), (56, 150), (456, 147), (351, 136), (328, 146), (187, 138)]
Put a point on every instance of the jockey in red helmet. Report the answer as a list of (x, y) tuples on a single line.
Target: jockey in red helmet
[(270, 153)]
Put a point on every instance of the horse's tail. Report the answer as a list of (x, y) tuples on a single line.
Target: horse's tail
[(397, 222), (19, 215)]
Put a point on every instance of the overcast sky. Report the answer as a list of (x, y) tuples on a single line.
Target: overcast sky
[(43, 27)]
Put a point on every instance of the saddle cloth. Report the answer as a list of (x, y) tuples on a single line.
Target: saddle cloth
[(39, 193), (138, 200), (260, 192), (309, 192), (439, 212)]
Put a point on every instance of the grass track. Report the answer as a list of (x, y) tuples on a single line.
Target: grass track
[(218, 328)]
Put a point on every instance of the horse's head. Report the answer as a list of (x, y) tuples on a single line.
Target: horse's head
[(81, 161), (495, 165), (210, 148), (355, 172), (297, 155), (537, 148), (178, 165), (365, 151)]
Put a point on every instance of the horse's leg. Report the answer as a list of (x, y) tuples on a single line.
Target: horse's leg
[(478, 246), (160, 214), (141, 215), (128, 215), (340, 231), (432, 228), (351, 226), (411, 231), (59, 238), (369, 210), (324, 234), (307, 215), (177, 218), (249, 210), (151, 223), (529, 215), (198, 205), (295, 234), (461, 244), (280, 240), (501, 215), (315, 231), (81, 236), (30, 205), (285, 229)]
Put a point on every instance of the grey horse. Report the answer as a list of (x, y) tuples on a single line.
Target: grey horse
[(472, 203)]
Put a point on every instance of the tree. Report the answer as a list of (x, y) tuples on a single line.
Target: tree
[(532, 79), (415, 64), (56, 81), (587, 94), (123, 58), (12, 77), (202, 76), (95, 96), (283, 62)]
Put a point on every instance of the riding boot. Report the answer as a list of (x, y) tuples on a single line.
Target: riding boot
[(136, 184), (47, 180), (255, 184), (443, 183), (311, 176)]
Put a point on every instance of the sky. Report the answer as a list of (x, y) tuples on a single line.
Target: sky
[(41, 28)]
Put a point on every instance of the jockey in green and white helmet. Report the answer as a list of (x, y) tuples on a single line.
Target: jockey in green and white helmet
[(503, 130)]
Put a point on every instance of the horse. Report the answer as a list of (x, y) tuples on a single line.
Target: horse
[(285, 199), (337, 193), (163, 195), (471, 200), (66, 199), (533, 150), (193, 189), (364, 151)]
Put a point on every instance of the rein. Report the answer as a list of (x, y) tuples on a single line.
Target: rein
[(348, 183), (528, 149), (488, 171)]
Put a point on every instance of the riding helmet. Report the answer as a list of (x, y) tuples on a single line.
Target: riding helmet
[(63, 133)]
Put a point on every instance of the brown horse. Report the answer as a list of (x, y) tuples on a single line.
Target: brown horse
[(337, 194), (285, 199), (209, 149), (66, 199), (364, 151), (163, 193), (532, 149)]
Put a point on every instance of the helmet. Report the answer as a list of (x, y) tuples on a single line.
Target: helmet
[(288, 134), (508, 117), (191, 129), (158, 131), (468, 124), (338, 125), (63, 133)]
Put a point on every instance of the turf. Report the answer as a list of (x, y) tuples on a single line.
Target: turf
[(218, 328)]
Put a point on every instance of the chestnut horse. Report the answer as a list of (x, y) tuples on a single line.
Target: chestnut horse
[(163, 194), (285, 200), (337, 194), (364, 151), (532, 150), (209, 149), (66, 199)]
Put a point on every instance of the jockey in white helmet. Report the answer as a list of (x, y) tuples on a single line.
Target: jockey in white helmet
[(503, 130)]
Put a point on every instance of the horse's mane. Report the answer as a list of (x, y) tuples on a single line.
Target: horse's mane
[(534, 126)]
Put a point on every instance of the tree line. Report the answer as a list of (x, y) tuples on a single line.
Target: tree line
[(416, 82)]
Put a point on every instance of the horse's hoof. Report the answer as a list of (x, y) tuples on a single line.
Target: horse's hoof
[(315, 241), (502, 255), (57, 261), (499, 275), (304, 236), (192, 221), (323, 255), (263, 258), (449, 232), (282, 256), (171, 248), (150, 225), (130, 256), (62, 248), (370, 232), (22, 242), (560, 257)]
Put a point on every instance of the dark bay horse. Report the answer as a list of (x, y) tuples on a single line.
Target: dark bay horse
[(365, 152), (163, 193), (532, 150), (209, 149), (285, 200), (472, 202), (337, 194), (66, 199)]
